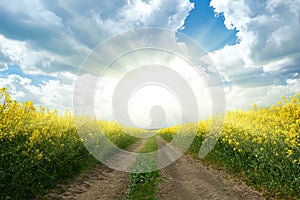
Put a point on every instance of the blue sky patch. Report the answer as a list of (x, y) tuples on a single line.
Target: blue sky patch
[(209, 30)]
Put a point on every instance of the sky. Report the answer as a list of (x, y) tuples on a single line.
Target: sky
[(255, 46)]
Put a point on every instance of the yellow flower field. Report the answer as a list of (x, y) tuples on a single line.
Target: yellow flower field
[(36, 145), (40, 148), (263, 144)]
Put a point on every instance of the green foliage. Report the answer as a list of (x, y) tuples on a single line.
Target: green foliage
[(276, 176), (143, 185), (261, 145), (39, 148)]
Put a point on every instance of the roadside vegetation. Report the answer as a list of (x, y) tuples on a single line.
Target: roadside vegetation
[(40, 148), (143, 185), (261, 145)]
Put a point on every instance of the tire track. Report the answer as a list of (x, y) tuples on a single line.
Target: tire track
[(100, 182), (187, 178)]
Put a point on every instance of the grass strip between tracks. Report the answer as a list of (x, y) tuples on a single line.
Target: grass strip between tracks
[(143, 185)]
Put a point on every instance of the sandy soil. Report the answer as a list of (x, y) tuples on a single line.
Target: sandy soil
[(187, 178), (100, 182)]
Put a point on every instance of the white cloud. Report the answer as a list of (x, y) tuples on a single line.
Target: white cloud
[(239, 97), (266, 30), (277, 65), (157, 13), (19, 53), (52, 94), (3, 66), (261, 65), (54, 36)]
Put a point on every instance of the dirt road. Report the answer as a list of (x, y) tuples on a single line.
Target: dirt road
[(100, 182), (187, 178)]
